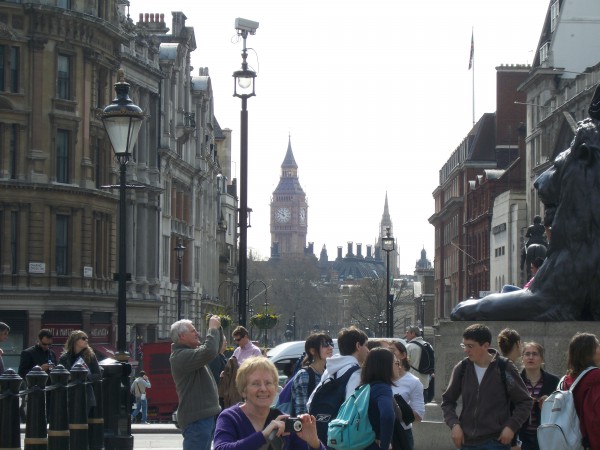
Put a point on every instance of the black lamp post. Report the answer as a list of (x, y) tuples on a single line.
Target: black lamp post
[(243, 87), (122, 120), (179, 251), (387, 245)]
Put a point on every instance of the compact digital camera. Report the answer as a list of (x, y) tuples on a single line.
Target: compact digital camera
[(293, 425)]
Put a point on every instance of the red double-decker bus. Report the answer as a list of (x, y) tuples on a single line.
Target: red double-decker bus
[(162, 397)]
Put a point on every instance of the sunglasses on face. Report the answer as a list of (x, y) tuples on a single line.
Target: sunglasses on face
[(239, 339), (82, 338), (326, 344), (45, 344)]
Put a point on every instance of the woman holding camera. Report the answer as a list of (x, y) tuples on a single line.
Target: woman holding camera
[(253, 424)]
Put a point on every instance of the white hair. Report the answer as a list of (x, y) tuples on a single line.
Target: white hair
[(178, 328)]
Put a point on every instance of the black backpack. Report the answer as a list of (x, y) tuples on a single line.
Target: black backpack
[(327, 400), (427, 361)]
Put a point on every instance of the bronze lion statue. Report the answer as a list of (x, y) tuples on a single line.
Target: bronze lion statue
[(567, 286)]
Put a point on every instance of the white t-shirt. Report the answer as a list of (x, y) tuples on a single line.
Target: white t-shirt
[(411, 390), (480, 372)]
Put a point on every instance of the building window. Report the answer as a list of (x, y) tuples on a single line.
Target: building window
[(12, 151), (64, 77), (63, 4), (14, 231), (10, 63), (62, 156), (197, 256), (62, 244), (554, 11), (165, 257)]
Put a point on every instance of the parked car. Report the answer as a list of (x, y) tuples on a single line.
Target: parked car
[(285, 356)]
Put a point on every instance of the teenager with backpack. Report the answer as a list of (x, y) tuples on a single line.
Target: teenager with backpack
[(318, 347), (340, 378), (378, 372), (584, 352), (488, 383)]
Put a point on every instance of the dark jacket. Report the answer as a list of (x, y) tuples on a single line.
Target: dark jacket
[(486, 408), (549, 385), (69, 359), (381, 414), (34, 356)]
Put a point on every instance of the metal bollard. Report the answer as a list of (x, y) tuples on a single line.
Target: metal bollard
[(10, 428), (78, 425), (117, 406), (36, 437), (58, 430), (96, 419)]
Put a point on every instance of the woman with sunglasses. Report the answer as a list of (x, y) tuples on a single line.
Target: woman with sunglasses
[(78, 351), (318, 347), (540, 384)]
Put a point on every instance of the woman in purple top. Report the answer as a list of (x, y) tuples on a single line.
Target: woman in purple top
[(253, 424)]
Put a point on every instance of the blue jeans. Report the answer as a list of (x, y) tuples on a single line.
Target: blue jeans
[(198, 435), (492, 444), (140, 405)]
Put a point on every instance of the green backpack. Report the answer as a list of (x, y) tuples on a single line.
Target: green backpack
[(351, 429)]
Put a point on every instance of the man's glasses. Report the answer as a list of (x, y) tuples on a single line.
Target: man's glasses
[(469, 346), (531, 354), (239, 339), (326, 344), (45, 344), (397, 363)]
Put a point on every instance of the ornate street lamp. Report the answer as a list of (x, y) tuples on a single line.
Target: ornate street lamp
[(243, 87), (179, 251), (387, 245), (122, 120)]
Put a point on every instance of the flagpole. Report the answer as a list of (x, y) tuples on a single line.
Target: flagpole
[(473, 67)]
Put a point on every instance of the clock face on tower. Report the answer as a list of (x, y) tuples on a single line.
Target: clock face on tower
[(302, 216), (283, 215)]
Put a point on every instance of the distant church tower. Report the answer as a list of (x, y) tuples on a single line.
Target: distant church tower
[(386, 222), (289, 211)]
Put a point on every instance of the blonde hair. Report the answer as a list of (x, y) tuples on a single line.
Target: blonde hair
[(251, 365), (69, 347)]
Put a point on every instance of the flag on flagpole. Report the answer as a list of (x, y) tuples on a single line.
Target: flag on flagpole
[(472, 51)]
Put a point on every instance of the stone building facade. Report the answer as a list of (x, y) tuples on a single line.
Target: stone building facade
[(58, 214)]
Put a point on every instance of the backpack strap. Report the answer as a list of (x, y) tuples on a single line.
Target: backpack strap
[(581, 375), (312, 378)]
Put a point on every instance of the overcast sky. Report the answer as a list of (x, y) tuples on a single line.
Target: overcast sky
[(375, 95)]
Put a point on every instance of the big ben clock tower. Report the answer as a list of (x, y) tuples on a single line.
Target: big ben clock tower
[(289, 211)]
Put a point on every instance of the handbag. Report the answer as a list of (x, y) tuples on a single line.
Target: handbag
[(407, 414), (399, 439)]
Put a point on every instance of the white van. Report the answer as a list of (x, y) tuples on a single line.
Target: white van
[(285, 356)]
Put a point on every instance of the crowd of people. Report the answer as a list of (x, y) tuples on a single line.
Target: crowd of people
[(501, 407), (231, 403)]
